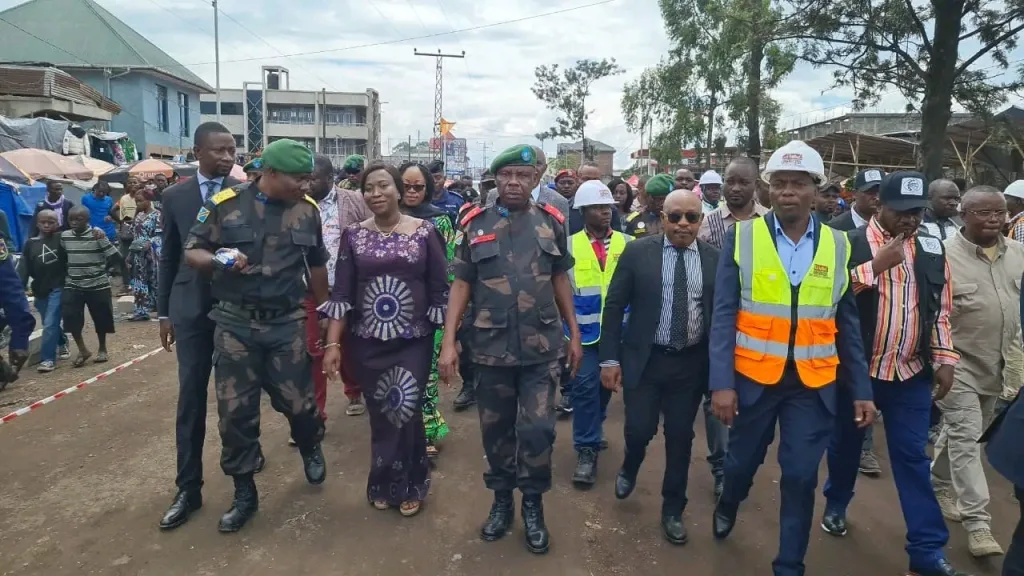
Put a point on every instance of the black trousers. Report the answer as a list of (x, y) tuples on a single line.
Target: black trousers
[(672, 383), (194, 348), (1013, 563)]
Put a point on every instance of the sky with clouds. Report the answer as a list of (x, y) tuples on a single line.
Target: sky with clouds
[(351, 45)]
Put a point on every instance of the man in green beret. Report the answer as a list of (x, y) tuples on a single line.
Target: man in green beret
[(262, 243), (512, 265), (353, 170), (252, 168), (648, 221)]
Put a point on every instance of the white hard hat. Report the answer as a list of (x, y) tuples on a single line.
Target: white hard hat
[(1015, 189), (710, 177), (796, 156), (593, 193)]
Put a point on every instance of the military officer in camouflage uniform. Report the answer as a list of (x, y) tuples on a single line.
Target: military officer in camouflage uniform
[(272, 232), (512, 264), (648, 221), (353, 169)]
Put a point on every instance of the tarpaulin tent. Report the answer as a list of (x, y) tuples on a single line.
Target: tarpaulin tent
[(17, 203)]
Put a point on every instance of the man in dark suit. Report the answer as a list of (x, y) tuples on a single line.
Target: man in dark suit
[(865, 201), (183, 303), (661, 360)]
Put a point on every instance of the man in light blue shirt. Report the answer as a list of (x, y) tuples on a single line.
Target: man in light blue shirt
[(795, 256)]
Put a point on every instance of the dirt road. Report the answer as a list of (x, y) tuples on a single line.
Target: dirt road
[(85, 480)]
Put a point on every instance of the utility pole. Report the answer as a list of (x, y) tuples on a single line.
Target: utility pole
[(409, 150), (323, 118), (438, 93), (483, 153), (216, 55)]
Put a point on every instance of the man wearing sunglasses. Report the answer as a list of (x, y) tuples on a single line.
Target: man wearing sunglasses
[(904, 295), (784, 318), (665, 282)]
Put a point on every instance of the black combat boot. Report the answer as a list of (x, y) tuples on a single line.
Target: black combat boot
[(246, 502), (586, 468), (313, 464), (466, 397), (537, 537), (503, 512)]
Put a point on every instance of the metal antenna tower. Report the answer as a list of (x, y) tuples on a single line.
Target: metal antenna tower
[(438, 93)]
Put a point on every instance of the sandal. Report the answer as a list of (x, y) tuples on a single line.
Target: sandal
[(100, 358), (380, 504), (81, 359), (410, 508)]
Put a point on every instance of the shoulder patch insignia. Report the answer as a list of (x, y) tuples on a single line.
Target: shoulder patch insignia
[(555, 212), (468, 217), (632, 216), (223, 196), (465, 207), (309, 199), (930, 245), (202, 215)]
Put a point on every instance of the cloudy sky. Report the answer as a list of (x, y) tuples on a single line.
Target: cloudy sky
[(351, 45)]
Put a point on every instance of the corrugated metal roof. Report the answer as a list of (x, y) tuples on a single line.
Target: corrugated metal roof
[(51, 83), (82, 34)]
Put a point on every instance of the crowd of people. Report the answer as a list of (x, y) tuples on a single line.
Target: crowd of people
[(772, 299)]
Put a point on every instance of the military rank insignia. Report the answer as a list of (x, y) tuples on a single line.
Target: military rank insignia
[(203, 215)]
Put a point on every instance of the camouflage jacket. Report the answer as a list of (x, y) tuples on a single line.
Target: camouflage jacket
[(508, 259), (643, 223), (279, 239)]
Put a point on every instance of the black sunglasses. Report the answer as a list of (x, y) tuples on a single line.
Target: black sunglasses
[(676, 217), (415, 187)]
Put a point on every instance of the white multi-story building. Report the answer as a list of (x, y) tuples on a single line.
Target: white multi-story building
[(333, 123)]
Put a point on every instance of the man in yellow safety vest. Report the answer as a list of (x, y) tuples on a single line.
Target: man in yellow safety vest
[(596, 250), (784, 319)]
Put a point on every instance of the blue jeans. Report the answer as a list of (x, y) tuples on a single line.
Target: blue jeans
[(589, 401), (53, 336)]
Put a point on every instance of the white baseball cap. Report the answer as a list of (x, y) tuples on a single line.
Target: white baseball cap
[(1015, 189)]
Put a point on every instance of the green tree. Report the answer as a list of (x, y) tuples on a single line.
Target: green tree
[(566, 91), (932, 53), (642, 99)]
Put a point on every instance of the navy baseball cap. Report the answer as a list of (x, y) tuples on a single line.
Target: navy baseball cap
[(868, 179), (904, 191)]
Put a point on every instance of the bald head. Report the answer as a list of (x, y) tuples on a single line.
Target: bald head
[(944, 196), (980, 195), (682, 200), (541, 158), (681, 217)]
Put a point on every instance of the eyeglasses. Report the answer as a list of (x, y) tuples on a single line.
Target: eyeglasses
[(676, 217), (988, 214), (415, 187)]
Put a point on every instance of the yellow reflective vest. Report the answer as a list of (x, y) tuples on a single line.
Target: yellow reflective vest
[(770, 327), (590, 282)]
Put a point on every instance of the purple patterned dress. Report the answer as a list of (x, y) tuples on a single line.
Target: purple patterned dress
[(393, 290)]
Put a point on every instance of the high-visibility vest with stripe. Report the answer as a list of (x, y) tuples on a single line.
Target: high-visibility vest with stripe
[(590, 283), (770, 327)]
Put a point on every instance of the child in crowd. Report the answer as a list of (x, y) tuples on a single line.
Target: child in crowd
[(87, 284), (44, 263)]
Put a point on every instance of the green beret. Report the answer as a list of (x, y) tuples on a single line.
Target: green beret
[(660, 185), (288, 156), (353, 164), (254, 165), (519, 155)]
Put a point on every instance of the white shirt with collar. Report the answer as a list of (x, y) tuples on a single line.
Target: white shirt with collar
[(536, 193), (207, 190)]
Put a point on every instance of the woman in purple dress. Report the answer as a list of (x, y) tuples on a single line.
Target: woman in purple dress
[(390, 293)]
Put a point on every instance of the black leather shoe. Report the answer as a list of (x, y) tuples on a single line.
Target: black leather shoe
[(185, 503), (466, 398), (724, 519), (624, 485), (245, 504), (313, 465), (943, 568), (499, 520), (537, 537), (719, 487), (261, 462), (564, 406), (586, 468), (834, 522), (672, 527)]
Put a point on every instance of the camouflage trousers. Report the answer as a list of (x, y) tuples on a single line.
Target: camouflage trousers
[(249, 358), (517, 422)]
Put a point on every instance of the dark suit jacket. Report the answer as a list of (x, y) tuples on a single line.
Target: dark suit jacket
[(637, 284), (1005, 450), (33, 230), (843, 222), (184, 294), (723, 333)]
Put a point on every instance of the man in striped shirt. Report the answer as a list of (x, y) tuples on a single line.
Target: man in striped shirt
[(87, 284), (904, 296)]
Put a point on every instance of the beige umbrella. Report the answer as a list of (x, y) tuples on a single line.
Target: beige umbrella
[(42, 164), (95, 164)]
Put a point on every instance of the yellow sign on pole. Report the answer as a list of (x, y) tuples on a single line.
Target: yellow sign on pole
[(446, 127)]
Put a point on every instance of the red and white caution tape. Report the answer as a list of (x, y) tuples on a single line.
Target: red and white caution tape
[(40, 403)]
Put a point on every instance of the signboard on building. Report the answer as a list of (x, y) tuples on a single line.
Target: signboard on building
[(456, 161)]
